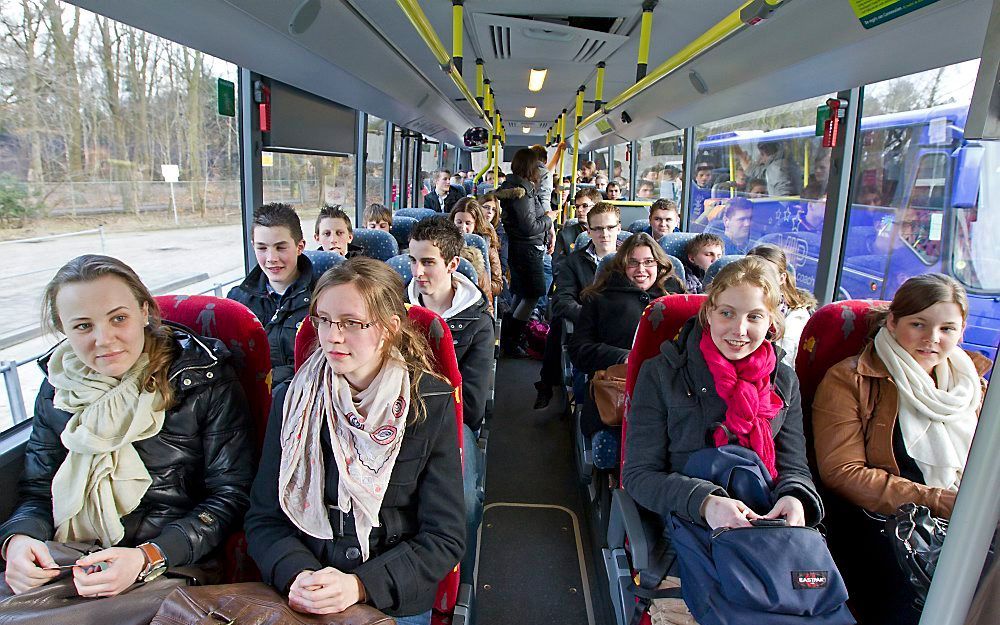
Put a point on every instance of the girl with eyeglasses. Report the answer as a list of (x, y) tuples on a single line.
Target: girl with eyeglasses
[(359, 494), (612, 306)]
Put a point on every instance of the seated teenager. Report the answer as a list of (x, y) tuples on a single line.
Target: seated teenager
[(613, 191), (699, 254), (797, 305), (491, 209), (468, 215), (721, 375), (736, 221), (585, 199), (277, 290), (894, 425), (359, 497), (378, 217), (664, 218), (334, 232), (575, 274), (444, 195), (612, 307), (702, 189), (139, 442)]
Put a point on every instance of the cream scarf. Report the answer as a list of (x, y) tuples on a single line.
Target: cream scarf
[(366, 432), (937, 421), (102, 477)]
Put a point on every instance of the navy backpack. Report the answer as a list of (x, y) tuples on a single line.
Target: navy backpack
[(770, 573)]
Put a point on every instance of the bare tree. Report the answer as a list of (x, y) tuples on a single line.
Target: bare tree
[(64, 40)]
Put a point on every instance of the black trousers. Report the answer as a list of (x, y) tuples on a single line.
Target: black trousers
[(527, 273), (551, 373)]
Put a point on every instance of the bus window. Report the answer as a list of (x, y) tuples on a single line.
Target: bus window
[(621, 169), (977, 229), (375, 165), (308, 181), (774, 160), (660, 160)]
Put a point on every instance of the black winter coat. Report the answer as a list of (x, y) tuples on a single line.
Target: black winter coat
[(674, 405), (565, 239), (575, 274), (523, 217), (473, 336), (422, 521), (199, 462), (433, 202), (281, 317), (603, 336)]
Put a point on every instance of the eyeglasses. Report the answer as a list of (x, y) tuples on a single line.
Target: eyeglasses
[(585, 205), (648, 263), (599, 229), (347, 326)]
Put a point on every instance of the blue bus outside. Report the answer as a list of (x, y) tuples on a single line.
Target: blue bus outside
[(916, 192)]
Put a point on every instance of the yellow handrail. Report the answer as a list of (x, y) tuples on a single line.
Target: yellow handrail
[(630, 202), (426, 32), (728, 26)]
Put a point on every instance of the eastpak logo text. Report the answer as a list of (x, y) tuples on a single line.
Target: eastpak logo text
[(809, 580)]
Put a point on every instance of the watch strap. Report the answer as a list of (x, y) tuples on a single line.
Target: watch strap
[(155, 560)]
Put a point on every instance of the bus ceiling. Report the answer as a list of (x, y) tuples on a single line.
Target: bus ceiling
[(366, 54)]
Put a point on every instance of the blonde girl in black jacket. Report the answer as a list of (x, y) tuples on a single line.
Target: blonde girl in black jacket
[(359, 494)]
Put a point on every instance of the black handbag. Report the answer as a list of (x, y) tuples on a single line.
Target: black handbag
[(917, 537)]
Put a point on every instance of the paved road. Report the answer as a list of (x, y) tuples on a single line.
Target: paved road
[(159, 257)]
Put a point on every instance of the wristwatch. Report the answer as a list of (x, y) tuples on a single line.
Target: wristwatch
[(156, 562)]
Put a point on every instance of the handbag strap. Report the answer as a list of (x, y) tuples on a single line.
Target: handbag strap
[(661, 559)]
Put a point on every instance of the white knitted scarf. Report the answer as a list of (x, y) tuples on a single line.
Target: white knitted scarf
[(366, 432), (937, 420), (102, 477)]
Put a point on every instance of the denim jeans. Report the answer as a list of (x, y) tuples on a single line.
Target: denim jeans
[(470, 470), (414, 619), (543, 302)]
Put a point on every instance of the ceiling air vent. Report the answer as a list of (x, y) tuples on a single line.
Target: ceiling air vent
[(543, 39), (500, 39)]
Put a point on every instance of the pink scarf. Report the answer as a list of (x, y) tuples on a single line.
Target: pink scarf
[(745, 386)]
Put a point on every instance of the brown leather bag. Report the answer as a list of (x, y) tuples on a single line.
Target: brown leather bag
[(607, 387), (252, 603)]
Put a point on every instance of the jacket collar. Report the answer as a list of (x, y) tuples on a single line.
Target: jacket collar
[(256, 282), (870, 365), (192, 354)]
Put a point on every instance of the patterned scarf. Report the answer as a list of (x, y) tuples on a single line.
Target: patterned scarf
[(745, 386), (102, 477), (366, 432)]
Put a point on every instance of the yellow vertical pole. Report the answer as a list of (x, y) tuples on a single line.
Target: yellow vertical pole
[(599, 87), (645, 33), (488, 97), (496, 150), (805, 166), (457, 10), (562, 135), (576, 137), (732, 170), (479, 81)]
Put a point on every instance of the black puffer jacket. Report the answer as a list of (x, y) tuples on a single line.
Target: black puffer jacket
[(674, 405), (281, 317), (575, 274), (421, 533), (200, 461), (604, 333), (523, 217)]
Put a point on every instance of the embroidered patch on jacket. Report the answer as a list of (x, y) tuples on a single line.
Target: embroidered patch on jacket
[(810, 580)]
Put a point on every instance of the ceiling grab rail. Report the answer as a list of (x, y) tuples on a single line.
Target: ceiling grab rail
[(426, 32), (749, 14)]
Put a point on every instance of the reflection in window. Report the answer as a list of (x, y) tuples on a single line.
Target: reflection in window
[(307, 182), (660, 160)]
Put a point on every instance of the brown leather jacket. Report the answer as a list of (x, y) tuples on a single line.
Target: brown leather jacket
[(854, 414)]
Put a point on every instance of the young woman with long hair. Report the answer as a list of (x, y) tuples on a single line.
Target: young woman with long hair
[(894, 425), (468, 215), (359, 494), (612, 307), (139, 441), (797, 304)]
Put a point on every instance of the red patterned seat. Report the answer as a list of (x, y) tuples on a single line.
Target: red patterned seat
[(241, 332), (661, 321), (439, 337)]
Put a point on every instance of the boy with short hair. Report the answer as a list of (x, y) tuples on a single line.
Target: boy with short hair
[(702, 189), (664, 217), (699, 254), (278, 289), (435, 247), (444, 195), (334, 232), (586, 198), (613, 191), (378, 217)]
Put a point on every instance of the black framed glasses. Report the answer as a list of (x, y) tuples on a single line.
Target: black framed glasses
[(648, 263), (599, 229), (322, 324)]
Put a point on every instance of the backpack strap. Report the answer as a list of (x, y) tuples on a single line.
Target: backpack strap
[(661, 559)]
